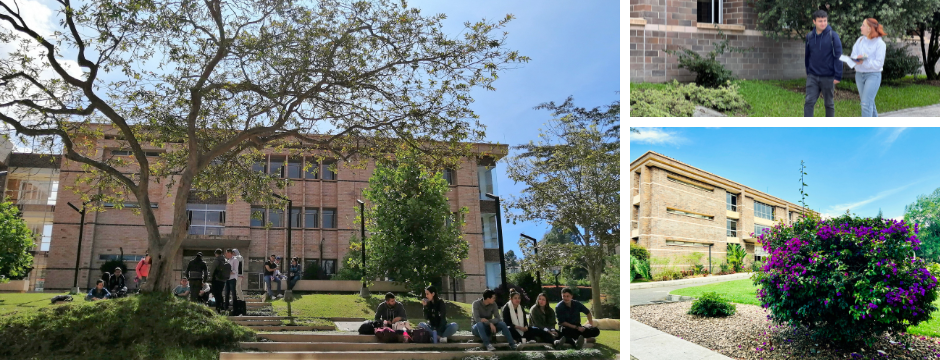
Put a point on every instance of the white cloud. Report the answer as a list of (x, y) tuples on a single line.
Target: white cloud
[(841, 208), (892, 135), (655, 136)]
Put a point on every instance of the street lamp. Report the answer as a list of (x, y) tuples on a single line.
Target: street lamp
[(78, 254), (288, 294), (499, 230), (535, 244), (364, 292)]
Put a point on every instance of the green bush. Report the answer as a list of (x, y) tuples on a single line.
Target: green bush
[(712, 305), (934, 269), (138, 327), (610, 280), (736, 255), (528, 283), (757, 266), (898, 63), (639, 252), (641, 267), (725, 267), (724, 98), (659, 103), (708, 71)]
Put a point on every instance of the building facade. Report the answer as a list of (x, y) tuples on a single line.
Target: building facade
[(678, 209), (659, 25), (323, 221)]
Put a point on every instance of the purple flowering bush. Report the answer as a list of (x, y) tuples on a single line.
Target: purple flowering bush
[(846, 279)]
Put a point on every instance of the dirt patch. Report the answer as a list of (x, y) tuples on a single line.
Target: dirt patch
[(749, 335), (841, 94)]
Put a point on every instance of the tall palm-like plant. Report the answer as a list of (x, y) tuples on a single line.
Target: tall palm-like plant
[(736, 256)]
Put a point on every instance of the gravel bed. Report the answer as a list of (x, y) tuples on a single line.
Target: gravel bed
[(749, 335)]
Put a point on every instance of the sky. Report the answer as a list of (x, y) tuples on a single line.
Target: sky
[(574, 49), (857, 169)]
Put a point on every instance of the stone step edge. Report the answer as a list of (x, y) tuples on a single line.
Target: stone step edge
[(451, 340), (275, 328), (456, 346), (437, 355)]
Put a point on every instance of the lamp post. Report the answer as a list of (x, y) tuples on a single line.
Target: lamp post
[(78, 254), (288, 294), (535, 245), (499, 231), (364, 292)]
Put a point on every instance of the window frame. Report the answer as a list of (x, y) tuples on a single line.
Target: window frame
[(712, 10), (323, 223), (759, 232), (759, 210), (252, 220), (731, 231), (316, 218), (326, 173), (689, 214), (731, 202)]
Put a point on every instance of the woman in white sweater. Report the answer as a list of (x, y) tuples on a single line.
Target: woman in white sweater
[(871, 48)]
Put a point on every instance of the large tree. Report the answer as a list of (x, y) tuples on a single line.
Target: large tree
[(930, 45), (792, 19), (16, 242), (215, 82), (511, 260), (925, 212), (413, 237), (572, 179)]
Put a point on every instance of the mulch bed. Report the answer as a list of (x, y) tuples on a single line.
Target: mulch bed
[(749, 335), (841, 94)]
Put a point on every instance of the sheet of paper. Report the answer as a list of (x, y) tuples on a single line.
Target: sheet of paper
[(848, 60)]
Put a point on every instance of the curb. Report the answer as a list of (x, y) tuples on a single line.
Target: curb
[(704, 280), (648, 343)]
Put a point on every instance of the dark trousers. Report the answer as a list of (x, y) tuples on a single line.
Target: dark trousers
[(572, 334), (230, 289), (533, 333), (816, 85), (194, 286), (216, 291)]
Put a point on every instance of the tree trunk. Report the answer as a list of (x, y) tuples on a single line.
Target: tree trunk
[(594, 273), (933, 53), (161, 271)]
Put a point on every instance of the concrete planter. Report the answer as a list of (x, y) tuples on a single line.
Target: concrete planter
[(19, 286), (346, 286)]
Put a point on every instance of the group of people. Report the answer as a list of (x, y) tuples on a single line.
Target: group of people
[(519, 328), (113, 285), (272, 274), (824, 65), (224, 276)]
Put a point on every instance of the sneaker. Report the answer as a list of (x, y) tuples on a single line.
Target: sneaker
[(580, 343), (490, 347), (519, 346), (532, 341), (442, 340), (558, 344)]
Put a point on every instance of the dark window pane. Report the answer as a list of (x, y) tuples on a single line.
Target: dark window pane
[(328, 170), (259, 167), (311, 218), (704, 12), (214, 218), (294, 168), (329, 218), (295, 217), (257, 216), (276, 216), (277, 162), (313, 168), (450, 176)]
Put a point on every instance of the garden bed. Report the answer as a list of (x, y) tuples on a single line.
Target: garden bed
[(749, 335)]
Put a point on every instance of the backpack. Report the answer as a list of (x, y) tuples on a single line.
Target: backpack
[(387, 335), (421, 335), (367, 328), (58, 298)]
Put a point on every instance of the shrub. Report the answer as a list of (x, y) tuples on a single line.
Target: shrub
[(108, 267), (610, 280), (659, 103), (708, 71), (898, 63), (846, 279), (724, 98), (725, 268), (639, 252), (712, 305), (934, 269), (526, 281), (736, 255), (757, 266), (641, 267)]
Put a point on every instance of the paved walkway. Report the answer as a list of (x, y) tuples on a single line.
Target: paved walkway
[(926, 111), (647, 343)]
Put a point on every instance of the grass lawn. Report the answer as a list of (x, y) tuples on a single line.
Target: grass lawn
[(26, 302), (744, 292), (772, 97)]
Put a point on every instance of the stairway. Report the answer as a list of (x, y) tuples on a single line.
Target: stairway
[(268, 322)]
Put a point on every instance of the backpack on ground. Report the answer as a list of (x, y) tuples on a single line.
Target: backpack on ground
[(58, 298), (367, 328), (387, 335), (239, 308), (421, 336)]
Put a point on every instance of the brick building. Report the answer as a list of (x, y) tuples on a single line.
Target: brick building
[(324, 209), (659, 25), (678, 209)]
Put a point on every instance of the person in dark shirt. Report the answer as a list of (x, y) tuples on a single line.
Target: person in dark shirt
[(435, 311), (221, 271), (196, 273), (116, 283), (269, 268), (98, 292), (569, 313)]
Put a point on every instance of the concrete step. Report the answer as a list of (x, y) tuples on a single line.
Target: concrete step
[(250, 306), (291, 328), (372, 355), (355, 338), (257, 322), (334, 319), (334, 346), (249, 318)]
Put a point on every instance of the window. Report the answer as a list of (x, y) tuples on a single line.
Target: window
[(329, 172), (329, 218), (451, 176), (759, 229), (121, 153), (295, 217), (46, 239), (680, 212), (732, 228), (294, 168), (130, 205), (486, 182), (313, 168), (276, 217), (261, 167), (152, 153), (328, 267), (490, 237), (493, 276), (709, 11), (257, 216), (763, 211), (311, 218), (277, 165), (732, 201), (684, 243), (109, 257), (206, 219)]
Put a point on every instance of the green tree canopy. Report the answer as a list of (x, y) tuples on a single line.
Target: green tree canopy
[(511, 259), (214, 82), (925, 212), (572, 181), (16, 241), (413, 237)]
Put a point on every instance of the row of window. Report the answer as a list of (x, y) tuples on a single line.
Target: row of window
[(293, 167), (131, 153), (301, 217), (732, 228), (680, 212), (109, 257), (688, 184)]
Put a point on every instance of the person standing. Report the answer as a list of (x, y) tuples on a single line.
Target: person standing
[(220, 274), (196, 273), (142, 270), (238, 268), (231, 279), (871, 48), (269, 267), (486, 320), (435, 311), (569, 313), (823, 67)]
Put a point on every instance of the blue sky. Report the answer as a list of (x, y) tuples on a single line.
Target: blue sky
[(862, 169), (575, 50)]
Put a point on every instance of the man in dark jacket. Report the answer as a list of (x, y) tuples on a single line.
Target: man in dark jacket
[(221, 271), (823, 67), (390, 311), (116, 283), (196, 273)]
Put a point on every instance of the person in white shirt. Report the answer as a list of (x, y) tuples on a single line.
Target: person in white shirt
[(871, 48), (238, 268)]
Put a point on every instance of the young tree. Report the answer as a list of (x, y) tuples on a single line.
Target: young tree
[(214, 82), (16, 241), (511, 260), (413, 237), (925, 212), (572, 179)]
